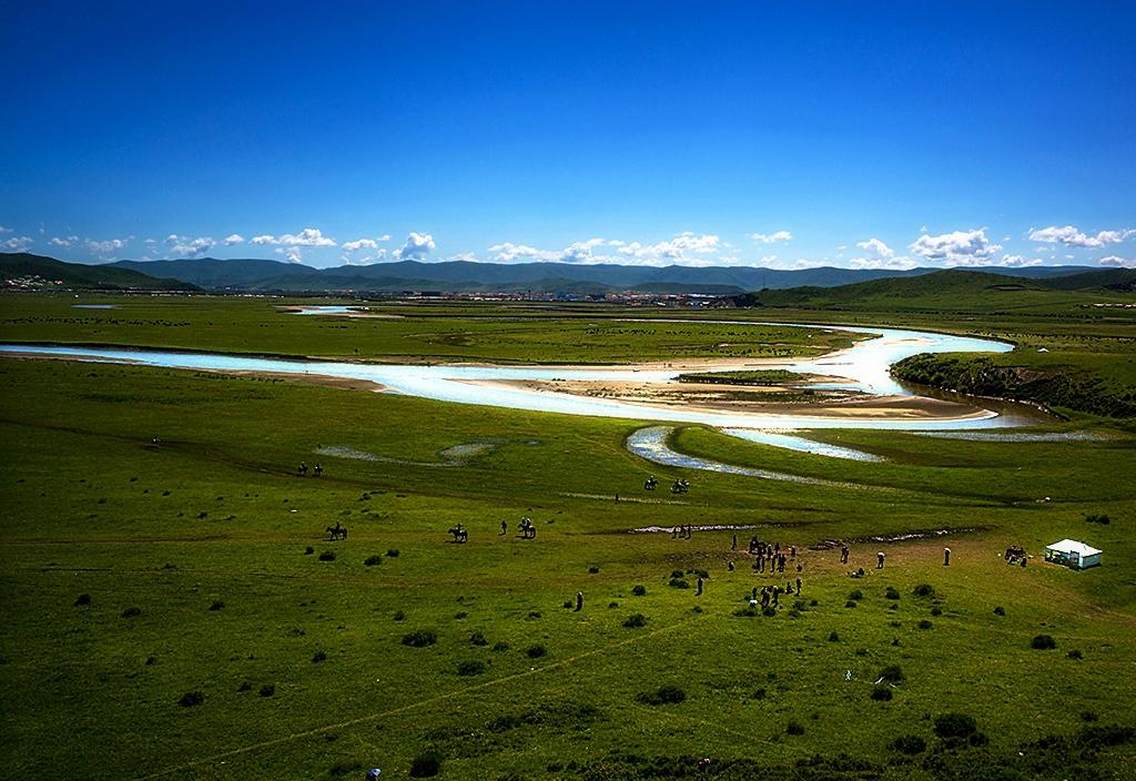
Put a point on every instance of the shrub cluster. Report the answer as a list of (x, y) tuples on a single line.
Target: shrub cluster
[(419, 639)]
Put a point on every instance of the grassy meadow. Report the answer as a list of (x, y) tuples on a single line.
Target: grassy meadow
[(222, 636)]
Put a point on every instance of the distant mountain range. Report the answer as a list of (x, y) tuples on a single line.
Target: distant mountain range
[(554, 278), (24, 270), (255, 275)]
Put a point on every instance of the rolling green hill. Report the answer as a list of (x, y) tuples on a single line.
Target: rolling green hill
[(22, 270)]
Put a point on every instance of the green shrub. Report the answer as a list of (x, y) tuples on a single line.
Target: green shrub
[(593, 570), (217, 605), (373, 561), (536, 651), (664, 695), (794, 728), (678, 583), (891, 593), (501, 646), (132, 612), (639, 591), (392, 553), (999, 611), (955, 725), (893, 673), (856, 595), (190, 699), (308, 551), (635, 620), (420, 638), (471, 667), (399, 615), (936, 611), (1104, 520), (327, 555), (881, 693), (319, 656), (1043, 643), (925, 624), (267, 690), (1075, 654), (908, 744), (833, 637), (924, 590), (83, 600), (426, 765), (478, 638)]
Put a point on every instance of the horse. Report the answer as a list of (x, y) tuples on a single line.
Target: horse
[(680, 487), (650, 483), (527, 528), (460, 533), (318, 470), (302, 469), (337, 532)]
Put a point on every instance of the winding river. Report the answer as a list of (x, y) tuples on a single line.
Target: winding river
[(862, 367)]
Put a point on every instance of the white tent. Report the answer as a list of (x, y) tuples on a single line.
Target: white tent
[(1073, 553)]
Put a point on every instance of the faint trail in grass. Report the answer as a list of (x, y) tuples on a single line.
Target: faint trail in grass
[(412, 705)]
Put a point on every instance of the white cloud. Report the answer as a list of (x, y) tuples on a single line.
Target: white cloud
[(1019, 261), (678, 249), (958, 248), (17, 244), (686, 248), (358, 244), (364, 260), (467, 257), (771, 238), (308, 237), (1070, 236), (293, 254), (233, 238), (508, 252), (106, 248), (416, 247), (876, 248), (1117, 262), (184, 246), (876, 262), (64, 241), (4, 230)]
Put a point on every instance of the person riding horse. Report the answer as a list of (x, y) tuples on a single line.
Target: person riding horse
[(460, 533), (650, 483), (337, 532), (303, 469), (527, 528)]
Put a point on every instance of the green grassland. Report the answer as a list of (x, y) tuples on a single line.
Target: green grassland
[(500, 334), (215, 514)]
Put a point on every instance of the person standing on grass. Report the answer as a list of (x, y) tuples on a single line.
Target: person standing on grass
[(798, 585), (843, 554), (734, 544), (946, 557), (880, 560)]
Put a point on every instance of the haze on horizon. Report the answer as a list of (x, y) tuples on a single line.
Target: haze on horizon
[(780, 135)]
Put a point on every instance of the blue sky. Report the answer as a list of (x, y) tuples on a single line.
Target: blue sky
[(779, 134)]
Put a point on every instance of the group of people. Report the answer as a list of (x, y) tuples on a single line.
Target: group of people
[(770, 554), (682, 532), (302, 470), (770, 596)]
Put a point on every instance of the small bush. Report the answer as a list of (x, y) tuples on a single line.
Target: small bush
[(392, 553), (399, 615), (1043, 643), (676, 573), (978, 739), (420, 638), (246, 686), (533, 615), (471, 667), (83, 600), (678, 583), (759, 694), (936, 611), (132, 612), (999, 611), (833, 637), (461, 614), (664, 695), (639, 591), (881, 693), (1104, 520), (908, 744), (955, 725), (373, 561), (267, 690), (501, 646), (925, 624), (308, 551), (768, 612), (851, 603), (612, 604), (327, 555), (891, 593), (189, 699), (536, 651), (794, 728), (566, 603), (856, 595), (893, 673), (1075, 654), (426, 765), (593, 570), (478, 638), (217, 605), (319, 656), (924, 590), (1089, 716), (635, 620)]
